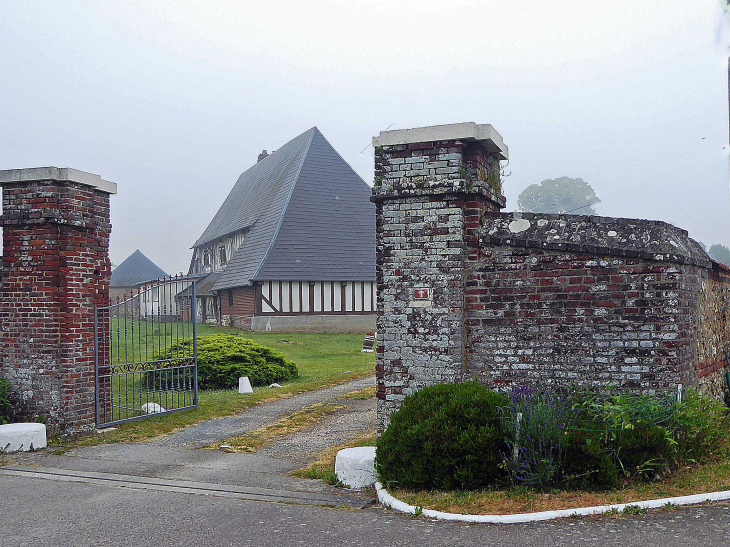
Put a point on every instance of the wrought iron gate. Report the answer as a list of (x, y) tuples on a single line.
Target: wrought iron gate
[(145, 348)]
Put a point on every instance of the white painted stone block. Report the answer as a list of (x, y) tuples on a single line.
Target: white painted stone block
[(244, 385), (22, 437), (355, 467), (151, 408)]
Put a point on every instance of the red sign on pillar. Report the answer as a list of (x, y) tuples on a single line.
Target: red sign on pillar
[(421, 294)]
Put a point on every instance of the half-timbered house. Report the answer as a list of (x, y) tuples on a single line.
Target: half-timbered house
[(293, 245)]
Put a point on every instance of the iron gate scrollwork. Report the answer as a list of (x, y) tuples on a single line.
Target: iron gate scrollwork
[(145, 349)]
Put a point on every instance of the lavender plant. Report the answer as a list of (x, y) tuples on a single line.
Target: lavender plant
[(536, 426)]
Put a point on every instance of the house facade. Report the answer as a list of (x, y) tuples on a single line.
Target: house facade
[(293, 245)]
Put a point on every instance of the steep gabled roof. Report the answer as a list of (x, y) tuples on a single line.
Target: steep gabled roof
[(328, 229), (260, 191), (308, 214), (136, 269)]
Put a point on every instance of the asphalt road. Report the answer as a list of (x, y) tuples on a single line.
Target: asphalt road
[(36, 511)]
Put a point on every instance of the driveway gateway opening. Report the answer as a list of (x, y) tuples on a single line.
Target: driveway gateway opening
[(145, 351)]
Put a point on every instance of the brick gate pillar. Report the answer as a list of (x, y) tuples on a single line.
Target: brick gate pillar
[(432, 186), (56, 269)]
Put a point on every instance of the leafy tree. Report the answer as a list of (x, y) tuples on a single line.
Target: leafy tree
[(561, 195), (720, 253)]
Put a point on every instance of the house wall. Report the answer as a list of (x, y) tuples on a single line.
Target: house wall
[(208, 309), (230, 243), (353, 323), (238, 306), (317, 297)]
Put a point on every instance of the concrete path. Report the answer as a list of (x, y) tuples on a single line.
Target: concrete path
[(176, 462), (167, 492), (52, 513)]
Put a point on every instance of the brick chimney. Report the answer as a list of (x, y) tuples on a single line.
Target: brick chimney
[(262, 155)]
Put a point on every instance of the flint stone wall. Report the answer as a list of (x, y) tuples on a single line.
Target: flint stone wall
[(712, 341)]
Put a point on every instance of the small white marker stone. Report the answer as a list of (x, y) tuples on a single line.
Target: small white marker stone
[(355, 467), (244, 385), (274, 385), (22, 437), (151, 408)]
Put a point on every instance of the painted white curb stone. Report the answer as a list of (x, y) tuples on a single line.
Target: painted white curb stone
[(355, 467), (244, 385), (389, 501), (22, 437), (151, 408)]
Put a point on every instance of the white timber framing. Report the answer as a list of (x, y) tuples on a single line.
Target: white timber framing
[(315, 297)]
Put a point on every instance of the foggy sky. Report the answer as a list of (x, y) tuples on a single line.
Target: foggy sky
[(172, 100)]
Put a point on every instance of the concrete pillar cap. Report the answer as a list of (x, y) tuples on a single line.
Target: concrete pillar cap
[(63, 174), (467, 131)]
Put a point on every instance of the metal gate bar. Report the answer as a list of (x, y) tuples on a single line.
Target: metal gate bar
[(146, 353)]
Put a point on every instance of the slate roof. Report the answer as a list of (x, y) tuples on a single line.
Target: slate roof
[(203, 285), (308, 214), (136, 269)]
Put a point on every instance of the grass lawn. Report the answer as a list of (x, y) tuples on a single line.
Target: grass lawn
[(709, 477), (323, 359)]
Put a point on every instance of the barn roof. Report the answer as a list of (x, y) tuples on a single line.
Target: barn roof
[(136, 269), (308, 216)]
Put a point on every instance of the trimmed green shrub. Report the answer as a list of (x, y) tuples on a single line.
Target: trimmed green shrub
[(6, 408), (464, 436), (223, 358), (634, 437), (445, 436)]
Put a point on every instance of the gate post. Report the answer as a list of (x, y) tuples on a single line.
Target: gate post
[(432, 186), (56, 270)]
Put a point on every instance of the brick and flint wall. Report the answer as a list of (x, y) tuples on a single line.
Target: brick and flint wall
[(430, 197), (557, 300), (56, 270), (468, 292)]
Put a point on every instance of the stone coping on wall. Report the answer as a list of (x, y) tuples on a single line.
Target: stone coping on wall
[(63, 174), (623, 237)]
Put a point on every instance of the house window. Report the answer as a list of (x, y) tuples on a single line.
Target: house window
[(206, 258), (222, 251), (230, 298)]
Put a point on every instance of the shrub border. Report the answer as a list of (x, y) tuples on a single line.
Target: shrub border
[(388, 501)]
